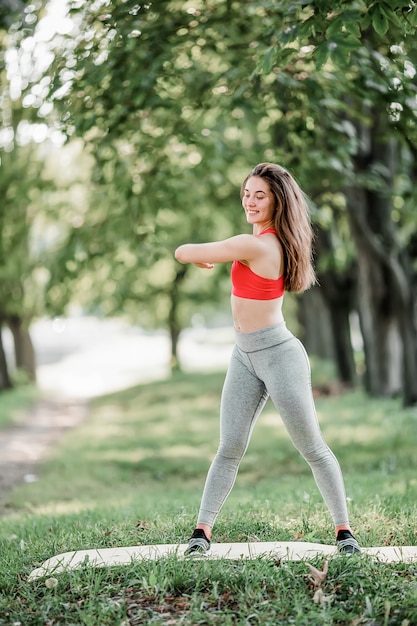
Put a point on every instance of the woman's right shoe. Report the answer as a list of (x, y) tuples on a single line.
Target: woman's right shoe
[(198, 543), (346, 543)]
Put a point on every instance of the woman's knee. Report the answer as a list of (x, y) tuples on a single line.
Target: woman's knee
[(232, 449), (319, 455)]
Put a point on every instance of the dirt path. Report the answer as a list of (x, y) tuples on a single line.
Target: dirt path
[(22, 447)]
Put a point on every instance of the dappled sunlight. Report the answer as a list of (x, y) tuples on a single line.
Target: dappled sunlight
[(399, 486), (179, 452), (109, 431), (109, 413), (69, 507), (126, 456), (344, 434), (85, 506), (156, 423), (271, 419)]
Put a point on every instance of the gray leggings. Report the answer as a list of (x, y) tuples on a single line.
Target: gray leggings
[(270, 362)]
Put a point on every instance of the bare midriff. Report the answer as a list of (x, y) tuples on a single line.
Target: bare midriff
[(249, 315)]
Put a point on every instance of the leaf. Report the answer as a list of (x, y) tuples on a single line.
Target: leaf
[(340, 55), (389, 13), (366, 21), (411, 16), (379, 22), (268, 60), (321, 598), (321, 54), (142, 525), (353, 28), (318, 576), (284, 55), (335, 27), (349, 42)]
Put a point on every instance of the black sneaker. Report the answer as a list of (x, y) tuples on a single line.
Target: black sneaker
[(198, 543), (346, 543)]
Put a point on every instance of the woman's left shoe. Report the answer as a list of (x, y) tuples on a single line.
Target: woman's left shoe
[(346, 543), (198, 543)]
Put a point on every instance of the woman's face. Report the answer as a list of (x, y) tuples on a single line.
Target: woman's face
[(258, 201)]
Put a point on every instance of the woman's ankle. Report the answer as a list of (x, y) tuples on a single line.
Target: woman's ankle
[(206, 528)]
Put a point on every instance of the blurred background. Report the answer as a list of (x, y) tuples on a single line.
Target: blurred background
[(127, 129), (85, 356)]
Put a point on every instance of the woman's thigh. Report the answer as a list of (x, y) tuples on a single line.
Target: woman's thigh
[(285, 370), (243, 398)]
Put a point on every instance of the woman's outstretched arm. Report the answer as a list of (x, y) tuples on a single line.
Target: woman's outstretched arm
[(239, 247)]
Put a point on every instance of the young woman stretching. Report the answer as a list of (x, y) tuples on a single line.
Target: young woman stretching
[(267, 359)]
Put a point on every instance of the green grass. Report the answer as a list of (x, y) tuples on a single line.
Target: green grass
[(14, 403), (133, 474)]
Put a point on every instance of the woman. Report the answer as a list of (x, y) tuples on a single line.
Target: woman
[(267, 359)]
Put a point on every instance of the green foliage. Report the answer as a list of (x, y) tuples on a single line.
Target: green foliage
[(160, 141), (332, 31), (19, 293), (175, 102)]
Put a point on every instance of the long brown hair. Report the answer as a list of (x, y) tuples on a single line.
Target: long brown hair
[(292, 223)]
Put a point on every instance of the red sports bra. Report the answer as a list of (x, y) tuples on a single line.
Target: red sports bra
[(247, 284)]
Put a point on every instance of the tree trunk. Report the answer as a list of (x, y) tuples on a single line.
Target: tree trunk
[(385, 295), (173, 322), (340, 325), (379, 326), (5, 382), (338, 288), (23, 346), (314, 318)]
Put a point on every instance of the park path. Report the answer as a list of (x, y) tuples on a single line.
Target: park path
[(24, 445)]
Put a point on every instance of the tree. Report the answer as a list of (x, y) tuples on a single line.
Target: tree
[(280, 80), (20, 289), (14, 226), (374, 43), (25, 142)]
